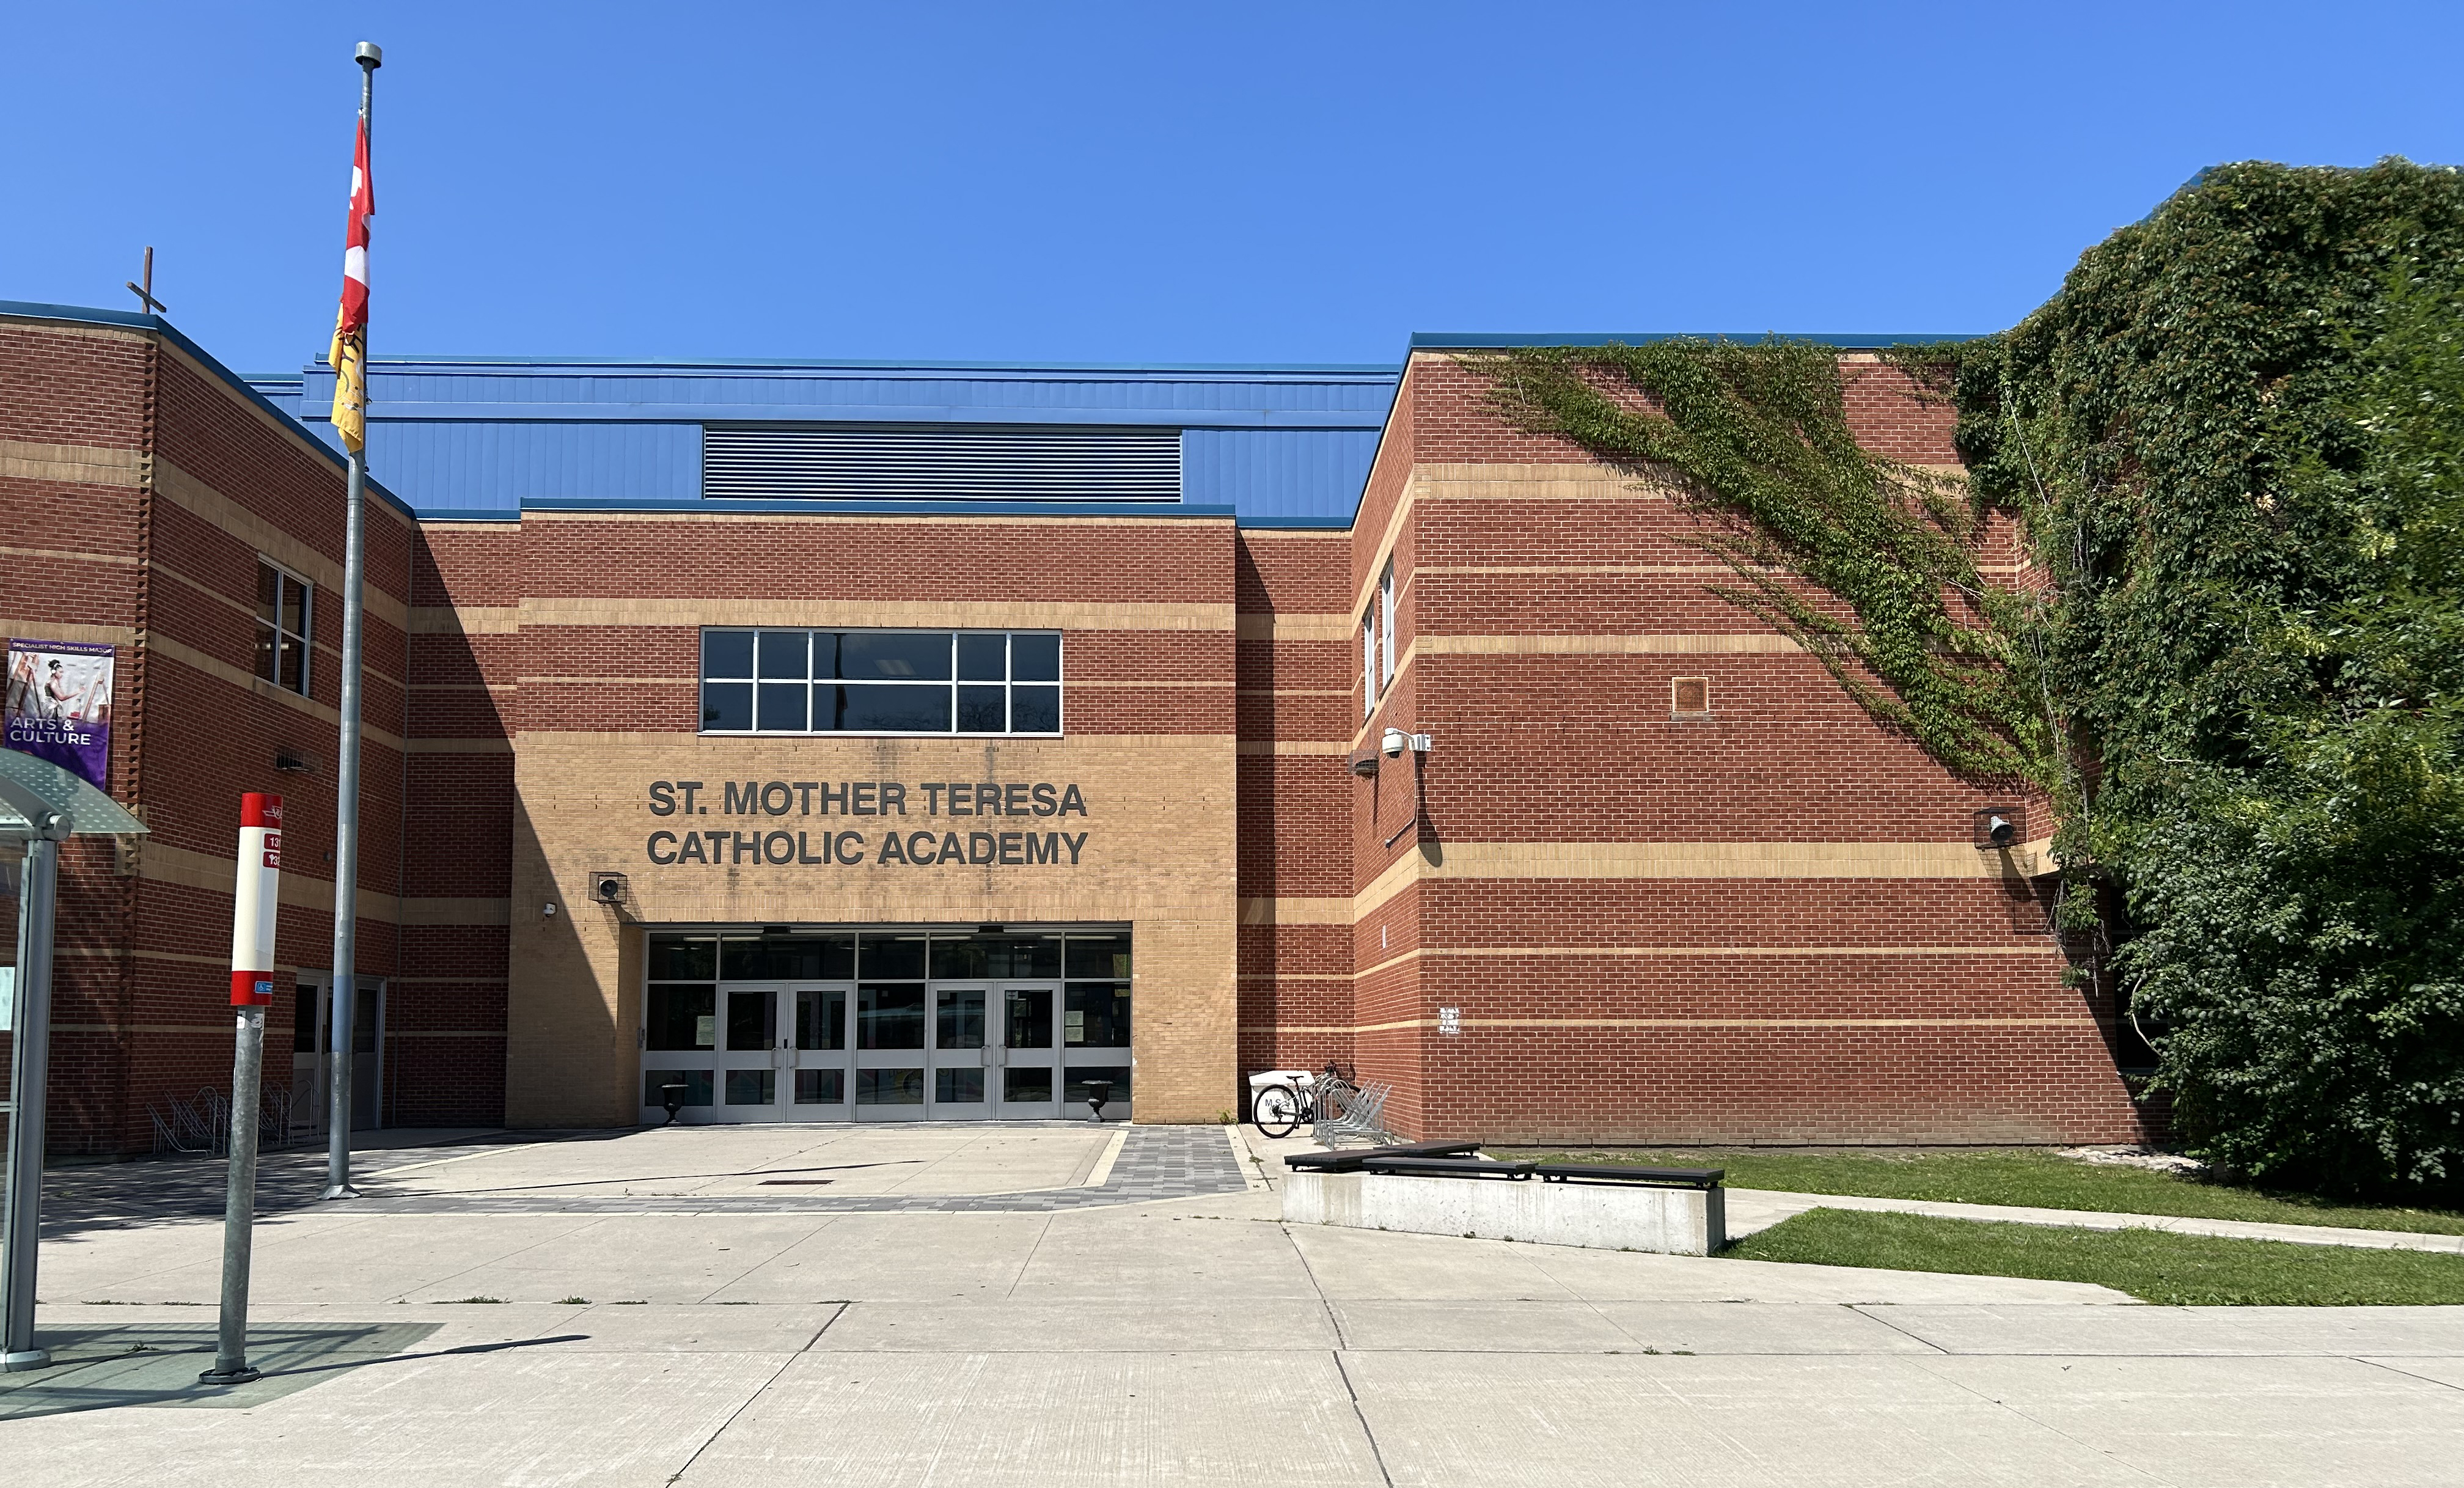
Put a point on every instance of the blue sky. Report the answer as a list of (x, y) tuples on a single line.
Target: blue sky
[(1151, 181)]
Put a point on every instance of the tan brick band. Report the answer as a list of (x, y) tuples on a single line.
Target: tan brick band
[(211, 505), (167, 865), (76, 465), (1406, 1023), (921, 614)]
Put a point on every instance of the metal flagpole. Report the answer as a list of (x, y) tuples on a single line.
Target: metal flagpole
[(341, 1023)]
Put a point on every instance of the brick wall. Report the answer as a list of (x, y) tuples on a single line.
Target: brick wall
[(1298, 704), (1764, 924), (161, 485)]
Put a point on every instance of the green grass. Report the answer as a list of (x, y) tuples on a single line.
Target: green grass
[(2153, 1265), (2026, 1176)]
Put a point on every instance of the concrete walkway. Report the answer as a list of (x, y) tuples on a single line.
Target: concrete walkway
[(1186, 1342)]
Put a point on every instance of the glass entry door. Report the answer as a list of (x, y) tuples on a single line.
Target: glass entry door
[(962, 1065), (312, 1052), (813, 1082), (993, 1052), (1028, 1080), (890, 1068), (897, 1025), (748, 1053)]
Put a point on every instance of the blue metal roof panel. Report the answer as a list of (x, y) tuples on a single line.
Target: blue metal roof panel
[(278, 388), (1113, 509), (398, 388), (1465, 340), (472, 435), (921, 367), (1069, 415), (1271, 475), (498, 467)]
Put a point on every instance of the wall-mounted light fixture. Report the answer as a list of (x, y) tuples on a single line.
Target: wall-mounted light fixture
[(1364, 763), (1998, 827), (607, 888), (293, 762)]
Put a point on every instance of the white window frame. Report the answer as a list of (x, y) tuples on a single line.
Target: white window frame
[(305, 636), (1059, 684), (1368, 662), (1386, 624)]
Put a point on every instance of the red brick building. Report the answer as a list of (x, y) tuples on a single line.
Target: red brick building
[(681, 677)]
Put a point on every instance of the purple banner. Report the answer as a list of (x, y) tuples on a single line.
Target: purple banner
[(59, 704)]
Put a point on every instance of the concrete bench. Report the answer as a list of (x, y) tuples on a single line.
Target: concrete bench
[(1443, 1188)]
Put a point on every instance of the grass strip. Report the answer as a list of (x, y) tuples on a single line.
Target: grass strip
[(2029, 1177), (2152, 1265)]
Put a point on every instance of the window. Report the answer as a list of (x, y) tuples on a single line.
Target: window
[(1386, 624), (880, 682), (1095, 999), (1369, 663), (683, 1002), (282, 611)]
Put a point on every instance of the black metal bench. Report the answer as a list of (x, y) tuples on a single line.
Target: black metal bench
[(1621, 1173), (1350, 1162), (1449, 1168)]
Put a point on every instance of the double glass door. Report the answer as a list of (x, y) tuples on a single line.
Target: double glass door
[(313, 1056), (889, 1052), (899, 1024), (993, 1052), (784, 1054)]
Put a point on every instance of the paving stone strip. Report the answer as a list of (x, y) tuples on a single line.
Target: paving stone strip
[(1156, 1163)]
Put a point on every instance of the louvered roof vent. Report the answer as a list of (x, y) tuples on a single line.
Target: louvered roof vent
[(939, 462)]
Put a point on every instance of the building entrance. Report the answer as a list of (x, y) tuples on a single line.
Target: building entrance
[(885, 1026), (312, 1053)]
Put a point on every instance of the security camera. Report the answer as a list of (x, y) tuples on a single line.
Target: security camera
[(607, 888), (1396, 742)]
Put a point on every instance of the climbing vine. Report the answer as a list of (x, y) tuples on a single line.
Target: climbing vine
[(1868, 564), (2233, 448)]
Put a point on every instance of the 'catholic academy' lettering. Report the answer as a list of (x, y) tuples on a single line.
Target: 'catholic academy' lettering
[(923, 849)]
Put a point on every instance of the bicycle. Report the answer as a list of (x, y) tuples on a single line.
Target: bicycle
[(1281, 1100)]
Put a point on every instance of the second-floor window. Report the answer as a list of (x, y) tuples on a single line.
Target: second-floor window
[(1369, 663), (282, 611), (880, 680), (1386, 624)]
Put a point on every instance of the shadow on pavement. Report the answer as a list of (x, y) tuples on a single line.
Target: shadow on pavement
[(166, 1190), (157, 1363)]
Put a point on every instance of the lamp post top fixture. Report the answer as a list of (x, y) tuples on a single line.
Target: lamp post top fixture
[(368, 54)]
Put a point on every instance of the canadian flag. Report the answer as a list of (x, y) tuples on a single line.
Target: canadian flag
[(350, 351)]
